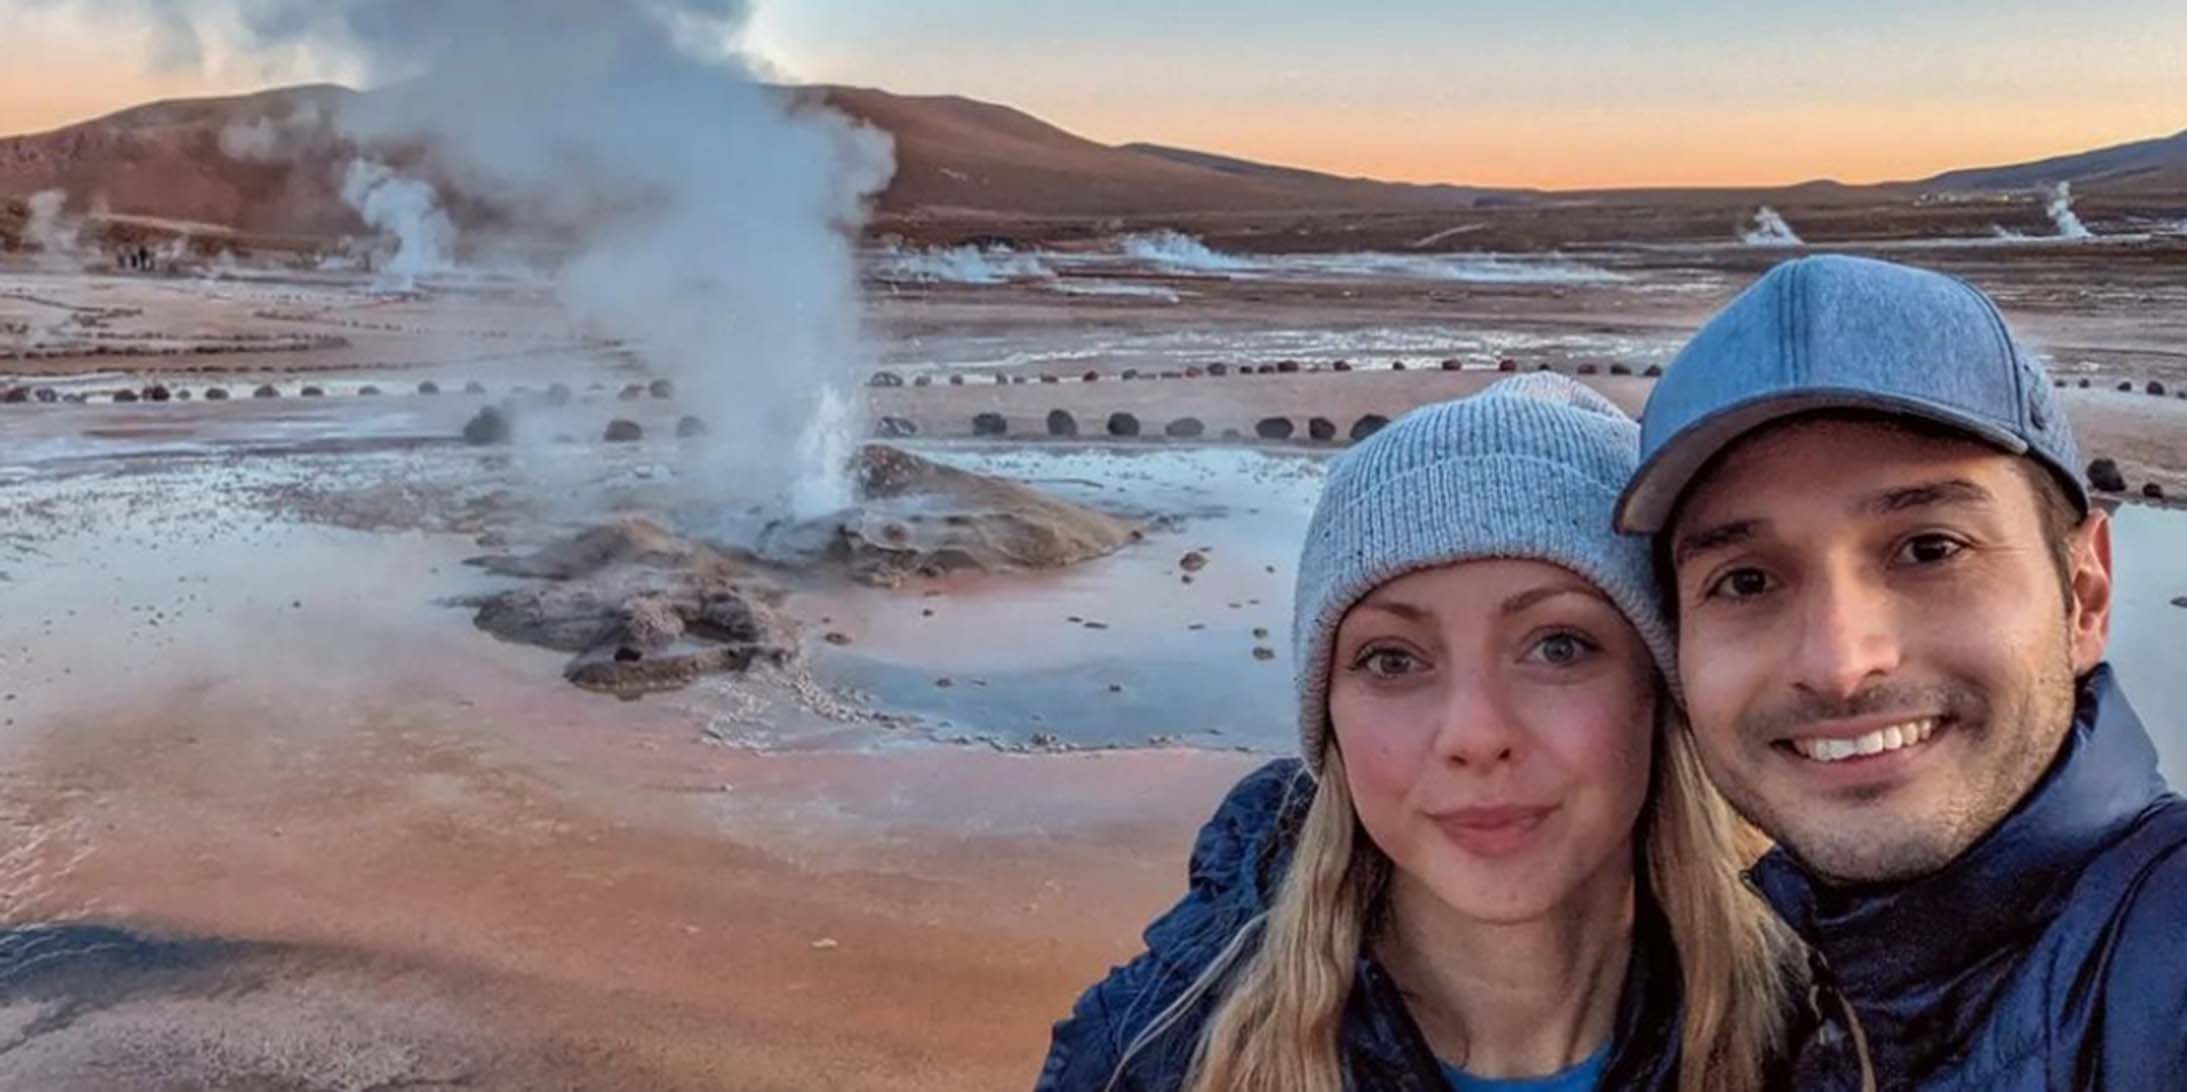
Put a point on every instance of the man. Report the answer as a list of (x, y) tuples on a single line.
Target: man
[(1893, 597)]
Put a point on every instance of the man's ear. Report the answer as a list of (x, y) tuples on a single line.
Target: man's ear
[(2088, 590)]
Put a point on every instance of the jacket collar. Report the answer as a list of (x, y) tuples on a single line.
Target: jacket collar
[(1880, 940)]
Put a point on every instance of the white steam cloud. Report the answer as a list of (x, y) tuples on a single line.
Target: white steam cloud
[(1770, 229), (52, 230), (703, 218), (407, 210), (2061, 214)]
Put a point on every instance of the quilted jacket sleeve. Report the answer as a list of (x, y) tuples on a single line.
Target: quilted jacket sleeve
[(1231, 868)]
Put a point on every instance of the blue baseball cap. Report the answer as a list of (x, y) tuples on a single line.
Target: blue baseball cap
[(1837, 332)]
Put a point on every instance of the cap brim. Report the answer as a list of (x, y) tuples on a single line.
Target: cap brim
[(1646, 504)]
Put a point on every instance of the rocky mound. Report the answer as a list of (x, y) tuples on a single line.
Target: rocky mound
[(919, 517), (642, 609)]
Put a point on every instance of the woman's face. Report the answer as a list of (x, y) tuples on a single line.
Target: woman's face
[(1496, 723)]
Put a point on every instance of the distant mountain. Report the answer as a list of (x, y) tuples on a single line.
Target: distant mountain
[(959, 160), (2141, 166), (954, 155)]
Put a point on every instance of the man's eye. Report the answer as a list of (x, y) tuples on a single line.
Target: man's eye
[(1741, 584), (1928, 549)]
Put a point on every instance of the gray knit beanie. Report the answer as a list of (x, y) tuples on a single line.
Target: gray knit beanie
[(1529, 468)]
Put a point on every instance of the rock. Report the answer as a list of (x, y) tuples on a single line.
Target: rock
[(2155, 388), (157, 393), (896, 427), (1589, 369), (1263, 653), (2103, 475), (1545, 366), (690, 428), (1061, 423), (15, 396), (1368, 426), (1320, 429), (1193, 373), (1621, 369), (1653, 371), (488, 426), (47, 395), (1218, 369), (216, 394), (956, 380), (1123, 424), (1184, 428), (1193, 561), (631, 392), (620, 431), (1090, 377), (1129, 373), (1451, 365), (1507, 365), (474, 387), (311, 392), (1287, 367), (885, 379), (2180, 601), (125, 397), (366, 391), (1233, 434), (1274, 428), (990, 424), (2127, 385), (2084, 383), (661, 388), (2059, 383), (1397, 365), (835, 638), (428, 387), (1341, 366), (922, 381), (266, 392), (559, 394), (2152, 490), (1047, 378)]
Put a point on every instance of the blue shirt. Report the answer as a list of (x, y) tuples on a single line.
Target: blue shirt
[(1581, 1076)]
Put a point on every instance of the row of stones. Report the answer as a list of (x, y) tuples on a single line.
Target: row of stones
[(1060, 423), (2104, 477), (555, 394), (2153, 388), (1218, 371)]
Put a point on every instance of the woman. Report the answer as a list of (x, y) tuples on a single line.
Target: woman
[(1497, 864)]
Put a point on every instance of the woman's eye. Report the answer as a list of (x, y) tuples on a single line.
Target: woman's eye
[(1740, 584), (1928, 549), (1561, 649), (1387, 663)]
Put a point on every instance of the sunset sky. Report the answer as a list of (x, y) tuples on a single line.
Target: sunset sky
[(1553, 93)]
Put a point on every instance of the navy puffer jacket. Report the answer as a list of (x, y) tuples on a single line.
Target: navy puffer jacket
[(2050, 955), (1237, 862)]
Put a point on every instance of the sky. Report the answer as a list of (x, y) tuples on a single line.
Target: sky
[(1548, 93)]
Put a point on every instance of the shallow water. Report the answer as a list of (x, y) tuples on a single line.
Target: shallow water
[(2148, 633)]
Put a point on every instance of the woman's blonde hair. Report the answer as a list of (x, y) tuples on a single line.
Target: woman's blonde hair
[(1275, 1028)]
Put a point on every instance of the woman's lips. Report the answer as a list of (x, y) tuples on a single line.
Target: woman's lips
[(1493, 830)]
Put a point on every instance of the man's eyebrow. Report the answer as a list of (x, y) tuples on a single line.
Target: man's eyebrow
[(1710, 539), (1943, 492)]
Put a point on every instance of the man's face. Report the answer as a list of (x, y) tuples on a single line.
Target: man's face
[(1877, 653)]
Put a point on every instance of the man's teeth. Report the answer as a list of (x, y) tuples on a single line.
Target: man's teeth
[(1874, 743)]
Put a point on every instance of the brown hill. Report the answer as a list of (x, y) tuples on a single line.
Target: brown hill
[(954, 156)]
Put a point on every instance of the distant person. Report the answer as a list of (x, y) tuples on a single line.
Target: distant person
[(1892, 598), (1497, 863)]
